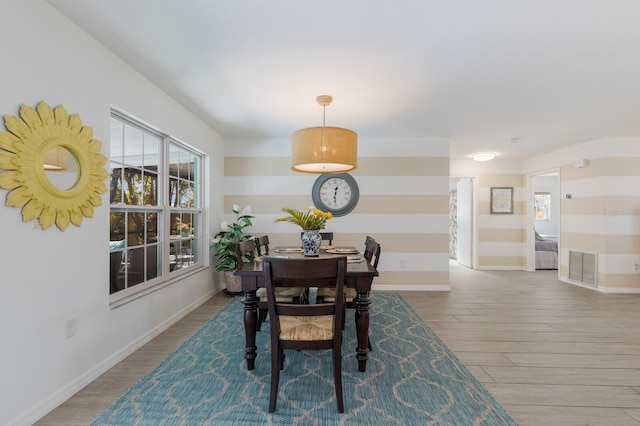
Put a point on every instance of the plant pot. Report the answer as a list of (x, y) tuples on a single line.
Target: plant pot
[(233, 283)]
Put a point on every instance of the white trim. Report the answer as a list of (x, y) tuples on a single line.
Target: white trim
[(618, 290), (500, 268), (61, 395)]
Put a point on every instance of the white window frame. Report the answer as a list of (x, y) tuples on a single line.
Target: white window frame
[(166, 237)]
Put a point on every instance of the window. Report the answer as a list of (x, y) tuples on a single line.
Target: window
[(155, 207), (542, 203)]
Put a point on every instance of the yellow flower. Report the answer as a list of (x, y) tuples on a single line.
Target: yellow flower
[(313, 219)]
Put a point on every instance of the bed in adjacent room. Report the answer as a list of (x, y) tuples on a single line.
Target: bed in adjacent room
[(546, 252)]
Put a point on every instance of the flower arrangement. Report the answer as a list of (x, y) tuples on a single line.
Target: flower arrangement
[(225, 242), (312, 219)]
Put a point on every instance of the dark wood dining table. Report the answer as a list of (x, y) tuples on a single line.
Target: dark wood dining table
[(359, 276)]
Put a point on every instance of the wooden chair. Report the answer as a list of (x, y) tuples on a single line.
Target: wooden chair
[(246, 252), (372, 254), (262, 245), (309, 326), (326, 236), (372, 251)]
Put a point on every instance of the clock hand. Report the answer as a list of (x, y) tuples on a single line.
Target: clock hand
[(335, 194)]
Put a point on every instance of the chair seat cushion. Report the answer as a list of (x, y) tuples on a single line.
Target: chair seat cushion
[(329, 294), (283, 294), (306, 328)]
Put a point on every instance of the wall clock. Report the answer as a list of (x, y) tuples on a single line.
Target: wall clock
[(335, 193)]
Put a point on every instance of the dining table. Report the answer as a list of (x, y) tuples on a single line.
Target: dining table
[(360, 275)]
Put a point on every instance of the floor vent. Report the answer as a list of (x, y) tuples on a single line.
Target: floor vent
[(582, 267)]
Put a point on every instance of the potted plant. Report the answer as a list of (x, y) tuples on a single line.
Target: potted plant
[(224, 246), (311, 222)]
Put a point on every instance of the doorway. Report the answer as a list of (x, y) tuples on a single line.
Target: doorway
[(461, 216), (543, 253)]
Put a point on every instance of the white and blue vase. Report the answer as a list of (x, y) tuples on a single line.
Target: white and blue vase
[(311, 241)]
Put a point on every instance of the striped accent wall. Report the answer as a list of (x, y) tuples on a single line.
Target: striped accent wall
[(603, 217), (603, 214), (404, 203), (501, 237)]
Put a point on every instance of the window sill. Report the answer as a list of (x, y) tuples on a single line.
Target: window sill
[(116, 300)]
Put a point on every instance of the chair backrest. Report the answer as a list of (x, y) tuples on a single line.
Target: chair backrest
[(262, 245), (372, 251), (327, 272), (246, 251), (326, 236)]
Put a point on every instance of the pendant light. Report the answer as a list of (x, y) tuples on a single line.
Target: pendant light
[(324, 149)]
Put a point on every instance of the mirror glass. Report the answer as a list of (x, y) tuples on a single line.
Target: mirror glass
[(61, 168)]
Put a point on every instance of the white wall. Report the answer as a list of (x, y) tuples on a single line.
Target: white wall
[(50, 276)]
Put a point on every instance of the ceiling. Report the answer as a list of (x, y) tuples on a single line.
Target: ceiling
[(519, 78)]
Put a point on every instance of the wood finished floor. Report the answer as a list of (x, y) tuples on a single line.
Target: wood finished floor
[(551, 353)]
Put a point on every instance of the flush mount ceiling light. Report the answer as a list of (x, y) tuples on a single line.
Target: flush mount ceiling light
[(483, 156), (324, 149)]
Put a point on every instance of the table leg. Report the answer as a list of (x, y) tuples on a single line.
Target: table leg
[(362, 328), (250, 301)]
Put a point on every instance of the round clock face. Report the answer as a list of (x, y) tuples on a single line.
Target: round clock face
[(336, 193)]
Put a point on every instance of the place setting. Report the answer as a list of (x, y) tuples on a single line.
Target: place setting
[(289, 250)]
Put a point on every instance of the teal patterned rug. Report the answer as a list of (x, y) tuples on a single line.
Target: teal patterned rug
[(412, 378)]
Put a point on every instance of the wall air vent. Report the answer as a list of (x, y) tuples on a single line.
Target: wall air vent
[(582, 268)]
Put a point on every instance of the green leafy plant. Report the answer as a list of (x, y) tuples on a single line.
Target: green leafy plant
[(225, 242), (312, 219)]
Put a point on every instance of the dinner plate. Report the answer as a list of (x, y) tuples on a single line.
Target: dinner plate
[(343, 251), (289, 250)]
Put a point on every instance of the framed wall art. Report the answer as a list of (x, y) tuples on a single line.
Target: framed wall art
[(501, 200)]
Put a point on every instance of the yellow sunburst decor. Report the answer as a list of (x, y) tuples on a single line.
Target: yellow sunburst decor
[(22, 156)]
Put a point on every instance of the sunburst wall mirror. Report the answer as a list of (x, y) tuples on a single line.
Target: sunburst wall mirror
[(40, 143)]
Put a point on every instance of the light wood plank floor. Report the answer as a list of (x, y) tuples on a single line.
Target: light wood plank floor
[(551, 353)]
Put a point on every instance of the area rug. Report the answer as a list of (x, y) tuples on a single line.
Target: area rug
[(412, 378)]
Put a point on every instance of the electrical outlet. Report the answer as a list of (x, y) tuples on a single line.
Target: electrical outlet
[(70, 327), (403, 264)]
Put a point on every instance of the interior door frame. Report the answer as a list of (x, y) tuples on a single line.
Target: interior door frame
[(530, 248), (473, 215)]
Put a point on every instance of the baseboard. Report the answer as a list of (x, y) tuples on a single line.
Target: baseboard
[(602, 289), (45, 406)]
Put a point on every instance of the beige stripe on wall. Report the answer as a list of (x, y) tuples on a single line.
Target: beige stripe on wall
[(370, 204), (622, 166), (618, 280), (580, 241), (403, 166), (598, 167), (584, 205), (501, 180), (599, 243)]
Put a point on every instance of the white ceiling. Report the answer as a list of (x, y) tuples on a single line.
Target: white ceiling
[(545, 73)]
